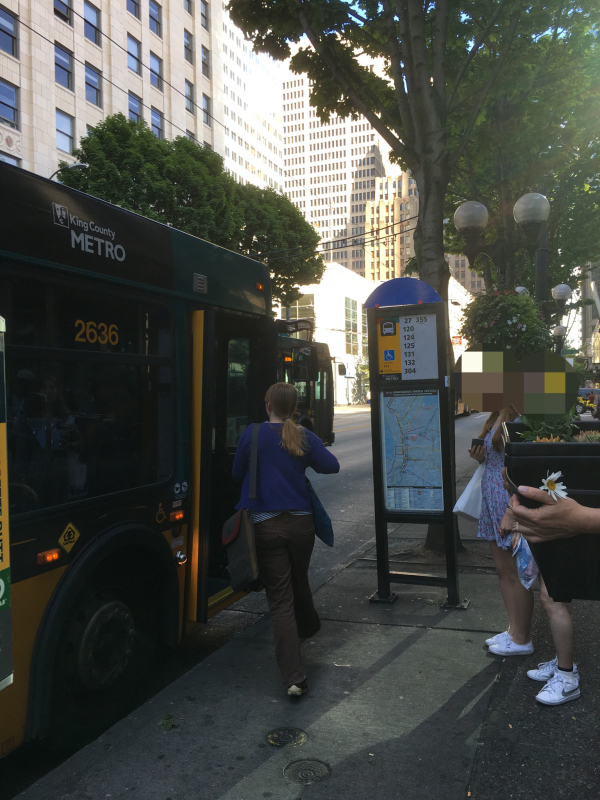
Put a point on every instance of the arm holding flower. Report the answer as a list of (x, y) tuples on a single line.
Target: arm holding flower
[(555, 519)]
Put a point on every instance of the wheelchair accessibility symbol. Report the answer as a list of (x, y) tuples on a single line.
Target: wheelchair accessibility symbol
[(389, 355)]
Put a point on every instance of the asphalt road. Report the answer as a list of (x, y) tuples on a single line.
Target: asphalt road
[(348, 498)]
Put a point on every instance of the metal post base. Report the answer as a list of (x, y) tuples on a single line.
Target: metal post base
[(464, 604), (374, 598)]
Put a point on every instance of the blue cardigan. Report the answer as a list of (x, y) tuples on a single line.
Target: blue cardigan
[(280, 482)]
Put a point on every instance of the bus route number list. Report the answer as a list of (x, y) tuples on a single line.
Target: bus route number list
[(415, 338)]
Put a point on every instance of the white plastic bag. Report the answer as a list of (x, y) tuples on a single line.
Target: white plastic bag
[(468, 504), (526, 565)]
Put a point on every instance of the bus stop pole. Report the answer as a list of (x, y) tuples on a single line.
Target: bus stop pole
[(383, 593)]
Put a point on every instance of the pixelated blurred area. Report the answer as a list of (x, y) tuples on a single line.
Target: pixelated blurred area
[(541, 385)]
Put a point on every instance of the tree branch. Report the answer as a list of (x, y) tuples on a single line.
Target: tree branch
[(439, 48), (397, 72), (341, 78), (514, 21), (473, 52)]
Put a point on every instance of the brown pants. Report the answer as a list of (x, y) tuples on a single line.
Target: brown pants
[(283, 546)]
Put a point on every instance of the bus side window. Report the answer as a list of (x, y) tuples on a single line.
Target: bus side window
[(238, 389), (321, 386)]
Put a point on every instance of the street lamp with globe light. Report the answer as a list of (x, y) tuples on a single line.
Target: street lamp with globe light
[(561, 294), (530, 212)]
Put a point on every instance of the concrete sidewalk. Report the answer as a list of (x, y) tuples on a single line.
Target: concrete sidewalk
[(398, 699)]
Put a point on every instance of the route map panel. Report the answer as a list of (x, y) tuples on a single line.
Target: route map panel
[(412, 458)]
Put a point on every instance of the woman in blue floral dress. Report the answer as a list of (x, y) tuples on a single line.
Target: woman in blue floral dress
[(495, 524)]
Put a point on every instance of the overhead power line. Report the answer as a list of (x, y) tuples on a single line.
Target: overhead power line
[(313, 248)]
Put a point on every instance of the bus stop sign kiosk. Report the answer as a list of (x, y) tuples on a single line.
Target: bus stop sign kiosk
[(412, 428), (6, 669)]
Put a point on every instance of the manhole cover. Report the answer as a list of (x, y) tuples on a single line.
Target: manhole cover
[(306, 772), (287, 737)]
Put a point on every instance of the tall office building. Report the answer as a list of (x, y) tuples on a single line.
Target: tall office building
[(460, 269), (179, 64), (335, 174)]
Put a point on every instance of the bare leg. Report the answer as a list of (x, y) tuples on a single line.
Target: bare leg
[(561, 626), (517, 599)]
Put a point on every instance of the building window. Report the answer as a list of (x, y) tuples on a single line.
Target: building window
[(206, 116), (9, 110), (10, 159), (93, 86), (133, 55), (204, 14), (157, 124), (188, 47), (135, 108), (8, 33), (91, 23), (191, 136), (351, 327), (189, 97), (63, 67), (155, 18), (63, 11), (156, 71), (188, 6), (64, 131), (205, 62), (133, 7)]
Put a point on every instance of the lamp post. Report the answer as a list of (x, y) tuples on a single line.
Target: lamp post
[(75, 165), (530, 212), (561, 294)]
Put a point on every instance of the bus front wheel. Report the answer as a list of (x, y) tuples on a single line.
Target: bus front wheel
[(103, 654)]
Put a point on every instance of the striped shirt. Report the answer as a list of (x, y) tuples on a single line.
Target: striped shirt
[(261, 516)]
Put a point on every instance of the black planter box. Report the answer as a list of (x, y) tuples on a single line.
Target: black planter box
[(570, 567)]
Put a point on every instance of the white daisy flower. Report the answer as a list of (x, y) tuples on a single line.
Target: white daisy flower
[(554, 489)]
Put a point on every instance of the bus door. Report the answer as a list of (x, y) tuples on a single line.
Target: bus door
[(240, 363), (6, 670), (323, 398)]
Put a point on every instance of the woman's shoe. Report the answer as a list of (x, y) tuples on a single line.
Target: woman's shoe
[(499, 637), (298, 689)]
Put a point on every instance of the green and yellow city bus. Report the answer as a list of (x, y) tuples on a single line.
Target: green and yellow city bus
[(135, 356)]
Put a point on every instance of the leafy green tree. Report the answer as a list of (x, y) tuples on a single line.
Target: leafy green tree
[(436, 65), (539, 127), (184, 185), (507, 320)]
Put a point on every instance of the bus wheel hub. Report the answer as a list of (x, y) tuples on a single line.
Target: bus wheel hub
[(106, 646)]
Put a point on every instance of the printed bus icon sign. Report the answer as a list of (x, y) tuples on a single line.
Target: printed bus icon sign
[(389, 355)]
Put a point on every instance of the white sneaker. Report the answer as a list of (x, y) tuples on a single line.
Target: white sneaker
[(499, 637), (509, 648), (559, 689), (546, 670)]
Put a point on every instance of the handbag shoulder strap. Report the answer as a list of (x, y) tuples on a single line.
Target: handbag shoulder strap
[(253, 461)]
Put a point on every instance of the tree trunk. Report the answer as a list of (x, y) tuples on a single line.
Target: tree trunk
[(432, 182)]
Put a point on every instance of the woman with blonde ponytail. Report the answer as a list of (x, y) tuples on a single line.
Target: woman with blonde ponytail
[(283, 523)]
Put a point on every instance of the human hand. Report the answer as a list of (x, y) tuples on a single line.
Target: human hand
[(515, 539), (507, 523), (555, 519), (478, 453), (505, 482)]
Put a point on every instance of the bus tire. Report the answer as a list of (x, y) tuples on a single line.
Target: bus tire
[(467, 411), (105, 650)]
